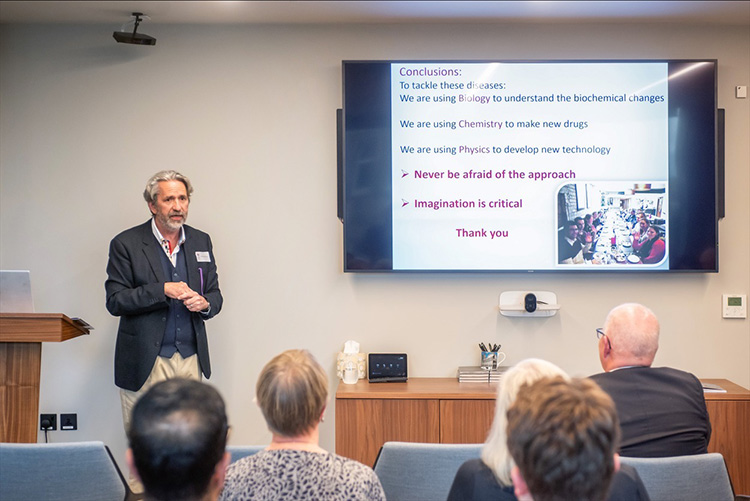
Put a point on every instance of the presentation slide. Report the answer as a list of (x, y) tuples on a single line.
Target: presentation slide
[(529, 166)]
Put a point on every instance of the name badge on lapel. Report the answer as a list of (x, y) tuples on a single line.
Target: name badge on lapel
[(202, 256)]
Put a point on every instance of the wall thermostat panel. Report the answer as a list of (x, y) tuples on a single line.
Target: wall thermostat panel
[(734, 306)]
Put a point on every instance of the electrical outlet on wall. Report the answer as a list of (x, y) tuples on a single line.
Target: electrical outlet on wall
[(48, 422)]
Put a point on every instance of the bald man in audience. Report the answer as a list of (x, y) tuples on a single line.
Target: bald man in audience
[(662, 411)]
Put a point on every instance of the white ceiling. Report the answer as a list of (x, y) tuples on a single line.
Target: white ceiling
[(319, 12)]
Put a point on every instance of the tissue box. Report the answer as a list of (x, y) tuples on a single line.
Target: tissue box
[(359, 359)]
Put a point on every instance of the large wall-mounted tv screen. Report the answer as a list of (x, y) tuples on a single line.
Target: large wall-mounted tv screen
[(530, 165)]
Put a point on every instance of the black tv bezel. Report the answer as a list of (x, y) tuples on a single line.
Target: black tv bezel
[(382, 112)]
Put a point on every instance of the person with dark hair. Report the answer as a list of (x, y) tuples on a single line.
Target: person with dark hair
[(569, 248), (588, 223), (292, 391), (631, 217), (653, 249), (580, 223), (586, 238), (563, 437), (596, 220), (662, 410), (177, 440), (162, 283), (639, 234)]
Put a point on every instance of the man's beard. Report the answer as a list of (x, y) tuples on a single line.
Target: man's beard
[(169, 223)]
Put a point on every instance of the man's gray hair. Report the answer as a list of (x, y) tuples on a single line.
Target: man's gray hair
[(152, 186)]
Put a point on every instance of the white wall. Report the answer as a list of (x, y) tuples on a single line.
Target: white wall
[(248, 112)]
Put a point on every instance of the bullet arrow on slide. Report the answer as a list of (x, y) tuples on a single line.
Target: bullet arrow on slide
[(405, 203), (404, 173)]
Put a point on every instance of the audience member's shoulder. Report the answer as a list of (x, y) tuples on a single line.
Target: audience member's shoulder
[(608, 381), (677, 375), (674, 372), (643, 372), (240, 476), (627, 486), (629, 471), (470, 470), (359, 480), (244, 464), (352, 465), (475, 464), (597, 376), (475, 480)]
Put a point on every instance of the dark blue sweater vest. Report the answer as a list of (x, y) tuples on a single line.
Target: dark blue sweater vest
[(179, 334)]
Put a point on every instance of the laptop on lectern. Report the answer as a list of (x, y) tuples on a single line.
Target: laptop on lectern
[(15, 292)]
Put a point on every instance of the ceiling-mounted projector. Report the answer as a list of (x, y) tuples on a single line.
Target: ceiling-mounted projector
[(134, 38)]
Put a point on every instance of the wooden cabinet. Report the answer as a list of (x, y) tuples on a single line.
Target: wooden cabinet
[(367, 424), (442, 410), (465, 421), (430, 410), (730, 430)]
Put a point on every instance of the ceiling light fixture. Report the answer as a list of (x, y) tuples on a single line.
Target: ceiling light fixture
[(123, 36)]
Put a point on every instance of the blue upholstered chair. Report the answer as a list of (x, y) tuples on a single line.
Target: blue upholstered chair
[(240, 451), (81, 471), (688, 478), (416, 471)]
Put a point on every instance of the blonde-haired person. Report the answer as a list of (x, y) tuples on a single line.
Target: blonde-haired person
[(489, 478), (292, 392)]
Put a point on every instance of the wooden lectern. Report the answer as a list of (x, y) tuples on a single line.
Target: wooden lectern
[(21, 338)]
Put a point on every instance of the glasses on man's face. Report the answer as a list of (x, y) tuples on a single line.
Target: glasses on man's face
[(600, 334)]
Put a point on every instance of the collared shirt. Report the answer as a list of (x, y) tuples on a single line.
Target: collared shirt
[(627, 367), (171, 253)]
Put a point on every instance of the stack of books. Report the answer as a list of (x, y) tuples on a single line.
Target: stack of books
[(712, 388), (476, 374)]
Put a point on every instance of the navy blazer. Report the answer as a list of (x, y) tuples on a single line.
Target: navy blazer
[(135, 293)]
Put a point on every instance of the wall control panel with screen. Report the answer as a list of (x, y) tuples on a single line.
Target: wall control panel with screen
[(734, 306)]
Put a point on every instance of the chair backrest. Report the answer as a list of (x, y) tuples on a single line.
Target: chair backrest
[(240, 451), (84, 471), (687, 478), (416, 471)]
